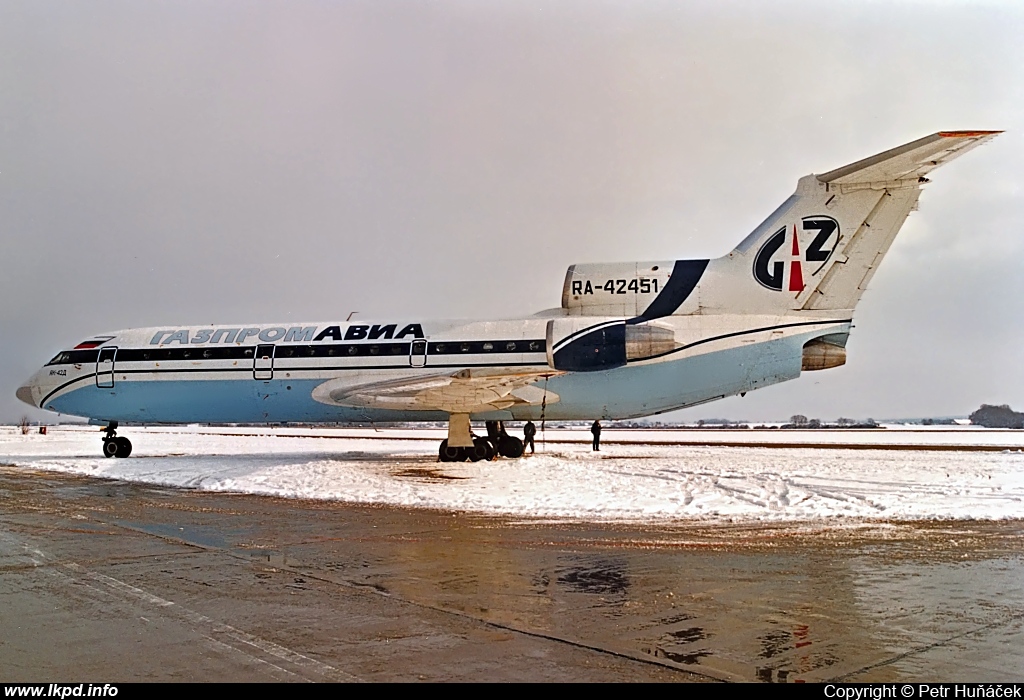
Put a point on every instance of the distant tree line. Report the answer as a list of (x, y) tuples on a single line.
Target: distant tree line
[(799, 422), (938, 421), (997, 417)]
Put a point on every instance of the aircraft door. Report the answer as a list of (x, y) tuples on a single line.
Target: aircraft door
[(263, 362), (105, 368), (418, 353)]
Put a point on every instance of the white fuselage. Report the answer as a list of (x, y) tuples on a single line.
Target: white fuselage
[(279, 373)]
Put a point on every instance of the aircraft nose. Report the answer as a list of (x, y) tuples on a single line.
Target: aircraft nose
[(26, 394)]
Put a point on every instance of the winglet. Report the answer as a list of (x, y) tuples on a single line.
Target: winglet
[(910, 161)]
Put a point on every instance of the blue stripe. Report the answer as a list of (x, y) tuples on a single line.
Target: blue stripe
[(685, 276)]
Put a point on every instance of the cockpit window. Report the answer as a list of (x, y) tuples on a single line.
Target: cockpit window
[(74, 357), (61, 358)]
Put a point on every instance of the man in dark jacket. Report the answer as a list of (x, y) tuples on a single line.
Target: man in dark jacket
[(596, 430), (529, 430)]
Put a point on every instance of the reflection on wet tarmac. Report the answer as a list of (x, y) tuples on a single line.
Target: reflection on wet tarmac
[(737, 610), (601, 577), (679, 645), (873, 602)]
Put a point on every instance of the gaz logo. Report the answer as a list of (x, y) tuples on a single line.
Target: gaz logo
[(817, 236)]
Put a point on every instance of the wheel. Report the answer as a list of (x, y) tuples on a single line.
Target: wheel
[(510, 447), (478, 451), (124, 446), (110, 447), (450, 454), (492, 449)]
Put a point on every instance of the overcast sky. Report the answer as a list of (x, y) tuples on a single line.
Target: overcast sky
[(173, 163)]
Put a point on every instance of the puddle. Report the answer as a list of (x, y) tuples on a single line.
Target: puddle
[(604, 578), (427, 474)]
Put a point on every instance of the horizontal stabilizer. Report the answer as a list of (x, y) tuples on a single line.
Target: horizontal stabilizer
[(910, 161)]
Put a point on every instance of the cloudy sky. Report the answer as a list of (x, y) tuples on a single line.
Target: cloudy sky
[(169, 163)]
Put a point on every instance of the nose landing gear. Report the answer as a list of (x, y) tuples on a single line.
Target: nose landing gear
[(114, 446)]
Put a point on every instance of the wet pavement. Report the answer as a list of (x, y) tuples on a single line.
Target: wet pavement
[(109, 581)]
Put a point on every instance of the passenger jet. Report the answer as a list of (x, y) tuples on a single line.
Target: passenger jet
[(629, 339)]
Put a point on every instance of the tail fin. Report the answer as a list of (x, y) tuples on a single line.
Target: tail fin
[(819, 250)]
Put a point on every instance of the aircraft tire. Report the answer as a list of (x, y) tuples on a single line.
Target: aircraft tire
[(124, 446), (511, 447), (450, 454), (110, 447), (478, 451)]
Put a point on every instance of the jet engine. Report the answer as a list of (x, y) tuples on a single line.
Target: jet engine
[(587, 344), (825, 352)]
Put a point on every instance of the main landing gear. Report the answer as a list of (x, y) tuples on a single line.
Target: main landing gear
[(114, 446), (497, 442)]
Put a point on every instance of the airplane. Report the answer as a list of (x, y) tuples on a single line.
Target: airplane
[(629, 339)]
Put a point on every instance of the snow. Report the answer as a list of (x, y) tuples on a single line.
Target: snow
[(658, 478)]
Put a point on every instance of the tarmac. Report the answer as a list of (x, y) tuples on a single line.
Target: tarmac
[(105, 581)]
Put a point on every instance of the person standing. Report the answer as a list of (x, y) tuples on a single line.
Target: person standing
[(529, 430), (596, 430)]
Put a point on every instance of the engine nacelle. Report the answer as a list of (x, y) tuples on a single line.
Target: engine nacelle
[(589, 344), (824, 353)]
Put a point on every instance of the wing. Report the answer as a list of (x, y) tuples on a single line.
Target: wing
[(910, 161), (465, 391)]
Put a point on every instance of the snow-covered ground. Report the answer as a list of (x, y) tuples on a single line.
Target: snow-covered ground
[(659, 479)]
